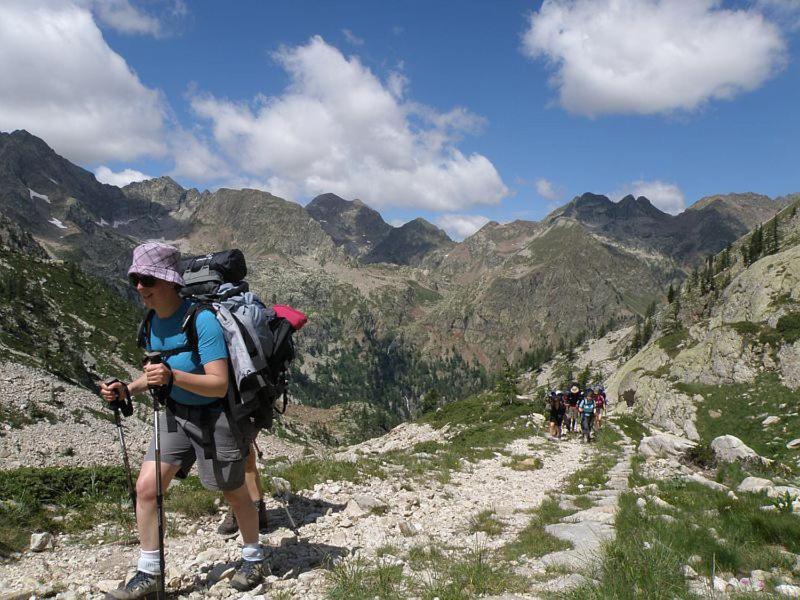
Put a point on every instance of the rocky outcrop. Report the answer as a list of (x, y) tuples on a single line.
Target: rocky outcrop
[(637, 386), (722, 356), (665, 446), (729, 449), (762, 292)]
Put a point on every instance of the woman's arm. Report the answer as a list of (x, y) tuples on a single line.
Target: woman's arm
[(212, 384)]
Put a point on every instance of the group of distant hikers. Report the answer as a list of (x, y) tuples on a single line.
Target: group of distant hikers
[(215, 367), (568, 409)]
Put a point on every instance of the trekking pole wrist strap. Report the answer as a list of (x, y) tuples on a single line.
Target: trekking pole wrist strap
[(123, 404)]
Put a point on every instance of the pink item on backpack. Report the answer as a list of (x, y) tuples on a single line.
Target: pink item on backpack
[(295, 317)]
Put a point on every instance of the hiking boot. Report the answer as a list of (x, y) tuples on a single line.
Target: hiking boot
[(229, 527), (262, 515), (248, 575), (141, 585)]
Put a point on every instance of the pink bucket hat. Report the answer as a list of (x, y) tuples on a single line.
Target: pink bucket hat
[(158, 260)]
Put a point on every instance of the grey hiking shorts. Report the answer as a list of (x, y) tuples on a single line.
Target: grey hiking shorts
[(224, 471)]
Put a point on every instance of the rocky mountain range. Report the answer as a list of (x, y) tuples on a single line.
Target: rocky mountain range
[(372, 288)]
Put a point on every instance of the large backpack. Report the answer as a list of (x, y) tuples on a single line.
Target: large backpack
[(258, 338)]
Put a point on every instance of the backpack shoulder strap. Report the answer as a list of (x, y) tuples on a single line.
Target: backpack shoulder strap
[(189, 324), (143, 333)]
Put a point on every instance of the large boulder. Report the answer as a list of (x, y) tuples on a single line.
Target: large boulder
[(754, 484), (729, 449), (664, 445)]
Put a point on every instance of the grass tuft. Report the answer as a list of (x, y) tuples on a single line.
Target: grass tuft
[(487, 522)]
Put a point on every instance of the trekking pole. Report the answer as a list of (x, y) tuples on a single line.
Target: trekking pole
[(282, 489), (154, 358), (126, 407)]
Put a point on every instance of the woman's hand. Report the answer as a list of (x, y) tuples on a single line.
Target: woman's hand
[(112, 392), (157, 375)]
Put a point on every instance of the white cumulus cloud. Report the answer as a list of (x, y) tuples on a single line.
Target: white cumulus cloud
[(547, 189), (124, 17), (338, 128), (62, 82), (652, 56), (120, 178), (459, 227), (664, 196)]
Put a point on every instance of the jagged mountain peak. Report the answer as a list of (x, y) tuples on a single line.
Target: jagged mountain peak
[(351, 224), (163, 190), (410, 243)]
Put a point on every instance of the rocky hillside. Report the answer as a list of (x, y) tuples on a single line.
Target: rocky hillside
[(727, 347)]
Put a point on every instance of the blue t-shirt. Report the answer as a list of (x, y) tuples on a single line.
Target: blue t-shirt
[(166, 334)]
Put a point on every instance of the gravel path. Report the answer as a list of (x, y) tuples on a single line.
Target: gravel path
[(336, 520)]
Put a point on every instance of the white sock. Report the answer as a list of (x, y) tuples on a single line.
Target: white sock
[(148, 562), (253, 552)]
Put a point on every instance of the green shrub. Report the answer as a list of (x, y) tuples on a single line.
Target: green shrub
[(746, 327), (702, 455), (789, 327)]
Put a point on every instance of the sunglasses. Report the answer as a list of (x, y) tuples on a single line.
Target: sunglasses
[(145, 280)]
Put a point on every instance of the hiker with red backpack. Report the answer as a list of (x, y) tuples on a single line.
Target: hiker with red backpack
[(600, 406), (194, 382)]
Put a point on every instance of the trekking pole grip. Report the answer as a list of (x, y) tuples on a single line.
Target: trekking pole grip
[(124, 405)]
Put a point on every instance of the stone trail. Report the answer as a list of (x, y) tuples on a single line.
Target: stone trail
[(337, 520)]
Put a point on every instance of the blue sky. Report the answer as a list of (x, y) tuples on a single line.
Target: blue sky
[(458, 111)]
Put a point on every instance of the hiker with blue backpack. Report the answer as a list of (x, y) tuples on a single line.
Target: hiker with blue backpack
[(586, 406), (213, 384)]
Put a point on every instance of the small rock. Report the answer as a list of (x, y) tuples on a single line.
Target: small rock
[(370, 503), (106, 585), (668, 518), (689, 572), (788, 591), (354, 510), (720, 585), (770, 421), (41, 541), (754, 484), (406, 529), (660, 503)]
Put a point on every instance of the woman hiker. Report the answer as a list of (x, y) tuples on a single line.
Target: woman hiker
[(196, 381), (557, 410), (599, 407)]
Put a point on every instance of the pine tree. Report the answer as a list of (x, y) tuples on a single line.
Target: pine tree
[(774, 239), (671, 294), (506, 386), (584, 376), (430, 401), (756, 247)]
